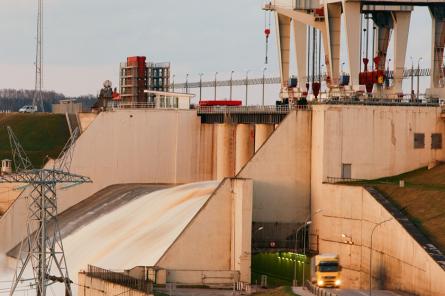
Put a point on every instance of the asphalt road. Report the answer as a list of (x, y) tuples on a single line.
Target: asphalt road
[(347, 292)]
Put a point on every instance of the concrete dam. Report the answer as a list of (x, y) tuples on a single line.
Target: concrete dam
[(206, 233)]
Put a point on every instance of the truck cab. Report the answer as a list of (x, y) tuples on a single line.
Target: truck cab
[(327, 271)]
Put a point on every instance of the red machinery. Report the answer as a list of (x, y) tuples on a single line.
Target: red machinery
[(209, 103), (369, 78)]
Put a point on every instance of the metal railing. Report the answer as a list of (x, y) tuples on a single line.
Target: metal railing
[(407, 73), (284, 109), (335, 180), (119, 279), (131, 105), (319, 291)]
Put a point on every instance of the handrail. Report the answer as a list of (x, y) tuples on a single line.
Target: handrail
[(250, 109)]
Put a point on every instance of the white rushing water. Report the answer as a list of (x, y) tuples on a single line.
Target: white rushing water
[(136, 234)]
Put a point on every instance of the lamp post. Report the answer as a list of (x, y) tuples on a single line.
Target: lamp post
[(370, 254), (296, 250), (216, 73), (231, 83), (173, 82), (418, 76), (247, 84), (187, 83), (200, 86), (412, 78), (264, 82), (304, 238)]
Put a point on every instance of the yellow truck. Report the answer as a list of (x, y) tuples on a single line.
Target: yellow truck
[(327, 271)]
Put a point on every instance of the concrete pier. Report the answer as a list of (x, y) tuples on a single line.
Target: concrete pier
[(224, 151), (262, 133), (244, 145)]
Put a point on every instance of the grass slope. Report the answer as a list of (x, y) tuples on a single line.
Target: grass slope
[(422, 199), (41, 135)]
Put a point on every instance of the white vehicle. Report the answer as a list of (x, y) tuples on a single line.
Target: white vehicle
[(28, 109)]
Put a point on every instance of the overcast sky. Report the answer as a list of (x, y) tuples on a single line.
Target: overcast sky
[(85, 40)]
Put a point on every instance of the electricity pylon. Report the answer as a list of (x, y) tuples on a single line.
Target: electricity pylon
[(42, 248)]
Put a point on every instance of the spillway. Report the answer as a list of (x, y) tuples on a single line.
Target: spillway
[(135, 234)]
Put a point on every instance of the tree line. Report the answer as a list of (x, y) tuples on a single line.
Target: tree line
[(14, 99)]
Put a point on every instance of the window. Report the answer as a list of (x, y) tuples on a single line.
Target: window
[(436, 141), (419, 141), (346, 170)]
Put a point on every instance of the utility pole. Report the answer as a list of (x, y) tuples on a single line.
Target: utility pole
[(247, 84), (200, 86), (173, 82), (38, 96), (187, 83), (418, 77), (216, 73), (412, 79), (264, 82), (231, 83)]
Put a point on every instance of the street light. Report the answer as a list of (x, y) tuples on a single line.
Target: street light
[(296, 249), (187, 83), (412, 78), (370, 254), (216, 73), (418, 76), (173, 82), (264, 81), (231, 83), (307, 222), (200, 86), (247, 84)]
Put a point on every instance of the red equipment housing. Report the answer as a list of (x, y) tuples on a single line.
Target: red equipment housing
[(209, 103)]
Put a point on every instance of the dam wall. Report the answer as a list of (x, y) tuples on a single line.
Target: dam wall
[(399, 262), (220, 237), (128, 146), (368, 142)]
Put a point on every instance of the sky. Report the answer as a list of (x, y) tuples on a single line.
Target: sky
[(85, 40)]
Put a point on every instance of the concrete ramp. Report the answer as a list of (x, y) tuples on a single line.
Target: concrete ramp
[(137, 233)]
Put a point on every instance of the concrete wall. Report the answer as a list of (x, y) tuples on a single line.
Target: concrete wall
[(226, 222), (399, 262), (128, 146), (85, 119), (377, 141), (280, 171), (89, 286)]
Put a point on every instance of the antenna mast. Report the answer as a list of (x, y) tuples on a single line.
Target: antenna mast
[(38, 97)]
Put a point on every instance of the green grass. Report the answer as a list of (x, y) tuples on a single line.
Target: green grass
[(422, 199), (41, 135)]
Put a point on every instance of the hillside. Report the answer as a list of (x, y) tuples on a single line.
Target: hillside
[(422, 199), (41, 135)]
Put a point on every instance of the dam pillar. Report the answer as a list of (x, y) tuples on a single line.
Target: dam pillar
[(244, 146), (333, 29), (401, 30), (300, 44), (437, 46), (262, 133), (352, 17), (283, 25), (224, 151)]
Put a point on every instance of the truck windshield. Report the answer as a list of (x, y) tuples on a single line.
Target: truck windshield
[(328, 266)]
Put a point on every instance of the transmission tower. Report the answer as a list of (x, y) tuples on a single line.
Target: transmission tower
[(42, 249), (38, 96)]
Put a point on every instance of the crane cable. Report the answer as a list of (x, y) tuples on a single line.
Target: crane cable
[(267, 32)]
